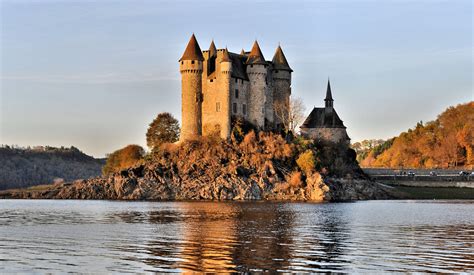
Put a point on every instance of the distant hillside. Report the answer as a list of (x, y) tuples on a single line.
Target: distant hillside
[(23, 167), (447, 142)]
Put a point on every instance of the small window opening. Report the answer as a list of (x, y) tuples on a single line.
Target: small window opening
[(234, 108), (244, 109), (218, 106), (236, 93), (192, 61)]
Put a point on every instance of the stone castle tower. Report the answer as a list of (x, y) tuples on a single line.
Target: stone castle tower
[(219, 86)]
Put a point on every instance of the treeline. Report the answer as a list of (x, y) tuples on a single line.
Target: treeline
[(447, 142), (24, 167)]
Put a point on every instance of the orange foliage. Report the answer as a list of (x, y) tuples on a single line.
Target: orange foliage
[(446, 142), (123, 158)]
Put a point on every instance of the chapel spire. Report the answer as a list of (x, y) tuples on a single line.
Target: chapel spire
[(329, 101)]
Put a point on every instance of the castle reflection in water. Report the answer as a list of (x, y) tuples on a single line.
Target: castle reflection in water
[(223, 237)]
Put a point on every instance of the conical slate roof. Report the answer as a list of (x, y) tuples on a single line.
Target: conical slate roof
[(212, 49), (255, 55), (279, 60), (193, 51), (226, 56)]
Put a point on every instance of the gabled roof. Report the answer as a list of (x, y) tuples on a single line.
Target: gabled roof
[(212, 49), (279, 60), (256, 56), (193, 51), (323, 118)]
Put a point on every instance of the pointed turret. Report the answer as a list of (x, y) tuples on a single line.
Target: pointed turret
[(328, 100), (256, 56), (193, 51), (242, 52), (279, 60), (212, 49), (226, 56)]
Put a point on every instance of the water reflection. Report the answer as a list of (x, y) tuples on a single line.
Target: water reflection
[(243, 237), (67, 236)]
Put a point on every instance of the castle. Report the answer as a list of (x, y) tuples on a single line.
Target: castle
[(219, 86)]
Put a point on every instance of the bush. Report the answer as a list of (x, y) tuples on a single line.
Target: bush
[(306, 161), (124, 158), (295, 179)]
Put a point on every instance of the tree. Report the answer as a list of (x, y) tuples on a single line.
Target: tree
[(123, 158), (164, 129), (291, 115)]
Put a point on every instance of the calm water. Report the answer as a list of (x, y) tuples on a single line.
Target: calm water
[(105, 236)]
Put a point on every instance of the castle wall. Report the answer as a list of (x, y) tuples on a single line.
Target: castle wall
[(281, 94), (257, 75), (240, 104), (269, 93), (216, 107), (191, 97), (335, 135)]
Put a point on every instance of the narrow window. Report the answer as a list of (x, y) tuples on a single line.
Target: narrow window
[(236, 93), (234, 108), (244, 109), (236, 80), (218, 106), (192, 61), (182, 62), (212, 80)]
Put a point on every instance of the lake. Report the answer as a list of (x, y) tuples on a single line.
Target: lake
[(116, 236)]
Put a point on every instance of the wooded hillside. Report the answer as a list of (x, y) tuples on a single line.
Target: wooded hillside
[(446, 142), (23, 167)]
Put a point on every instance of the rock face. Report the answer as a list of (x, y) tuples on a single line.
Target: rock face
[(257, 168)]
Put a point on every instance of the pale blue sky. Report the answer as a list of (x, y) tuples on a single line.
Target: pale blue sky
[(94, 74)]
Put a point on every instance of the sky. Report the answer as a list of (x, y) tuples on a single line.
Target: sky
[(94, 74)]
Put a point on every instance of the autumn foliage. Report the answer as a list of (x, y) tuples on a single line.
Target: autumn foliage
[(445, 142), (123, 158)]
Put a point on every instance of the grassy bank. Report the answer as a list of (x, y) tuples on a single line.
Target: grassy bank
[(439, 193)]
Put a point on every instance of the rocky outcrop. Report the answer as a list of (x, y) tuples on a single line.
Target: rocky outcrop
[(257, 168)]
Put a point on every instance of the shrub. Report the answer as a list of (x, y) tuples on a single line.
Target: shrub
[(306, 161), (294, 179), (124, 158)]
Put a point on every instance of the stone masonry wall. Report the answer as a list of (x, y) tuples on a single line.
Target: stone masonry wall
[(191, 95), (331, 134), (282, 91), (257, 75)]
